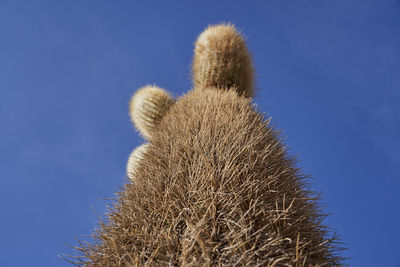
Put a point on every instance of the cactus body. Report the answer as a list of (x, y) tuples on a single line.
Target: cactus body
[(221, 60), (147, 107), (134, 159)]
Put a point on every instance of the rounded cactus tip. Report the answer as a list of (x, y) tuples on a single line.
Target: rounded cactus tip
[(147, 107), (134, 159), (221, 60)]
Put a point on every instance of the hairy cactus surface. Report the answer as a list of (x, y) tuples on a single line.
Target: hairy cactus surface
[(214, 185)]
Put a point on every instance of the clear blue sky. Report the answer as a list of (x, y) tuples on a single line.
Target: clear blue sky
[(327, 72)]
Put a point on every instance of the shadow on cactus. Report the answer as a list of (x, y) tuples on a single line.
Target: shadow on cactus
[(214, 184)]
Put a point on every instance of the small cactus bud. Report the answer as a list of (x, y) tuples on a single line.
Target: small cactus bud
[(221, 60), (134, 158), (147, 107)]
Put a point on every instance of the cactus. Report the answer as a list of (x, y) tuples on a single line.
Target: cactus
[(215, 185), (134, 160), (147, 107), (222, 60)]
